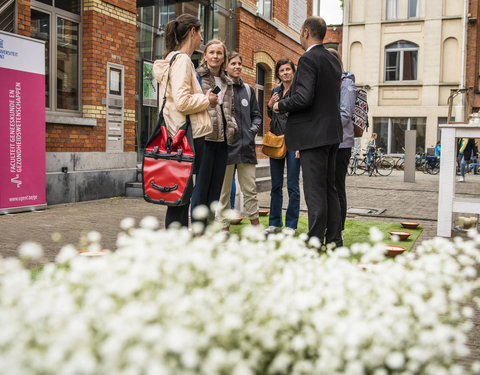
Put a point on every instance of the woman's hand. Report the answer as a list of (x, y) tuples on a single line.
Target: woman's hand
[(212, 98), (297, 154), (275, 98)]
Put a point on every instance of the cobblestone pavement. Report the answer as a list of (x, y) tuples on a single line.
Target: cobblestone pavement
[(401, 200)]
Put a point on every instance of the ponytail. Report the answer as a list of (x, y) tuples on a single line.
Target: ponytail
[(177, 31)]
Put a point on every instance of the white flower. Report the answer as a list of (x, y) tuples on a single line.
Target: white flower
[(94, 236), (200, 212), (30, 250), (66, 254), (395, 360), (127, 223), (149, 222), (375, 234)]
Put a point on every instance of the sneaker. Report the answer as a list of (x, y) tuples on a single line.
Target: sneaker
[(289, 231), (461, 179), (272, 229)]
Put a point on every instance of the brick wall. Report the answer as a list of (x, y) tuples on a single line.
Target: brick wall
[(473, 54), (109, 32)]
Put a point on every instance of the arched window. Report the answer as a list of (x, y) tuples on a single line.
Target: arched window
[(401, 59), (260, 86)]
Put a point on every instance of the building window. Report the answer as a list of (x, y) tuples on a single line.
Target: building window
[(316, 8), (413, 8), (391, 133), (264, 7), (401, 61), (7, 15), (392, 8), (58, 24), (260, 86)]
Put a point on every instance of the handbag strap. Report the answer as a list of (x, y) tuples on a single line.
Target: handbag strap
[(168, 79)]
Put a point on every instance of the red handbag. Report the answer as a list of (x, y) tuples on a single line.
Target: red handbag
[(168, 163)]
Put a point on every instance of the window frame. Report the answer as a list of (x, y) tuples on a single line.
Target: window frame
[(388, 9), (401, 50), (261, 8), (417, 9), (54, 13)]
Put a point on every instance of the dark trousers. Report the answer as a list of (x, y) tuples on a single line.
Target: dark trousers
[(276, 195), (324, 217), (210, 175), (341, 165), (179, 214)]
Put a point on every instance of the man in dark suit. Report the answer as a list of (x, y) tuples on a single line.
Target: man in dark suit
[(314, 127)]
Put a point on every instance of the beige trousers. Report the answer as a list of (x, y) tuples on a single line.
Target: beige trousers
[(246, 179)]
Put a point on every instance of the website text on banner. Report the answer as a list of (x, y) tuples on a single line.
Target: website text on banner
[(22, 123)]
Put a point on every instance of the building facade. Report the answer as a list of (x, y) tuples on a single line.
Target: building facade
[(101, 102), (408, 55)]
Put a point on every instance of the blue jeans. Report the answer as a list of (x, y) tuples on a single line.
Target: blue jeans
[(276, 195), (463, 164), (370, 153)]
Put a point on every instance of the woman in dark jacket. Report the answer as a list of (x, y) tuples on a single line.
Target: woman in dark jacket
[(241, 154), (284, 72)]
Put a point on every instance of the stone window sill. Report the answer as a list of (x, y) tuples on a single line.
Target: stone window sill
[(70, 120)]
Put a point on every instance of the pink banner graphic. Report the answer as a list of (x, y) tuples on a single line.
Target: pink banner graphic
[(22, 139)]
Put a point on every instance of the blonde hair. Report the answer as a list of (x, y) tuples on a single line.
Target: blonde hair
[(225, 52)]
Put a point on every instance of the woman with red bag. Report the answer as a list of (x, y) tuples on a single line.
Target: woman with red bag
[(184, 95)]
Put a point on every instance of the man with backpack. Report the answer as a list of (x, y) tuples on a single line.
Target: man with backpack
[(348, 96), (241, 154)]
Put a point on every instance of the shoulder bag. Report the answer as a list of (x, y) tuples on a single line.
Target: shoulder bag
[(274, 145), (168, 162)]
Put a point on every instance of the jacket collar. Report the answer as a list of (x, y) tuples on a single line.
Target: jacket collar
[(203, 70)]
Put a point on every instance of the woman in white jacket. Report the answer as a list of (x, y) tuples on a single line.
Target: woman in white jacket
[(184, 95)]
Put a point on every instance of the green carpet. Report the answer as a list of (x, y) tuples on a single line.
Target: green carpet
[(355, 230)]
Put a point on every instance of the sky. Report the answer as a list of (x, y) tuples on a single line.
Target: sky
[(331, 12)]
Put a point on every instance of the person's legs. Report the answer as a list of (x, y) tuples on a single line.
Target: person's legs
[(224, 201), (334, 216), (246, 179), (233, 193), (369, 157), (293, 186), (315, 163), (204, 176), (218, 172), (178, 214), (342, 160), (276, 194)]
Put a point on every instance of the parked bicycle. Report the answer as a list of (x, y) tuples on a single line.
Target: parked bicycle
[(380, 164)]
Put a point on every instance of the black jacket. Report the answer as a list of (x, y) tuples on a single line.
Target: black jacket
[(278, 125), (313, 106), (249, 120)]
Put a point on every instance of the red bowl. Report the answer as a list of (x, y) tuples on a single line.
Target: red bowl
[(236, 221), (403, 235), (409, 224), (263, 211), (88, 253), (394, 250)]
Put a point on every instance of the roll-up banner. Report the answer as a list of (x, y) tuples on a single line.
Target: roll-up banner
[(22, 123)]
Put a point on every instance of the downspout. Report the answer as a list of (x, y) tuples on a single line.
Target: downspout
[(464, 42)]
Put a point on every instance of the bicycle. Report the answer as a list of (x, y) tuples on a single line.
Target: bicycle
[(380, 164), (432, 165), (356, 165)]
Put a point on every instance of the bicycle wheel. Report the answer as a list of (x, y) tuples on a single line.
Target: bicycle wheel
[(384, 165), (352, 166), (432, 168), (400, 164), (361, 167)]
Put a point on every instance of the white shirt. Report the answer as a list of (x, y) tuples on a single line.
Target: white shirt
[(309, 48), (223, 86)]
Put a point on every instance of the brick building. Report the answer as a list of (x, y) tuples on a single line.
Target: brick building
[(99, 52), (472, 68)]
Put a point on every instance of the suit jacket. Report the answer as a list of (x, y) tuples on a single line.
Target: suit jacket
[(313, 105)]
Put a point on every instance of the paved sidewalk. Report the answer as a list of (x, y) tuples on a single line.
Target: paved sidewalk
[(413, 201)]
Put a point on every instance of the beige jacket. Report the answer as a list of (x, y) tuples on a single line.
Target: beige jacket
[(184, 95)]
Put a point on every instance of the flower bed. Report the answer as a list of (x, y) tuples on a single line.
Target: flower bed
[(167, 303)]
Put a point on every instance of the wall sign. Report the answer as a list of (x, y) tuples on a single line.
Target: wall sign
[(22, 123), (297, 13)]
